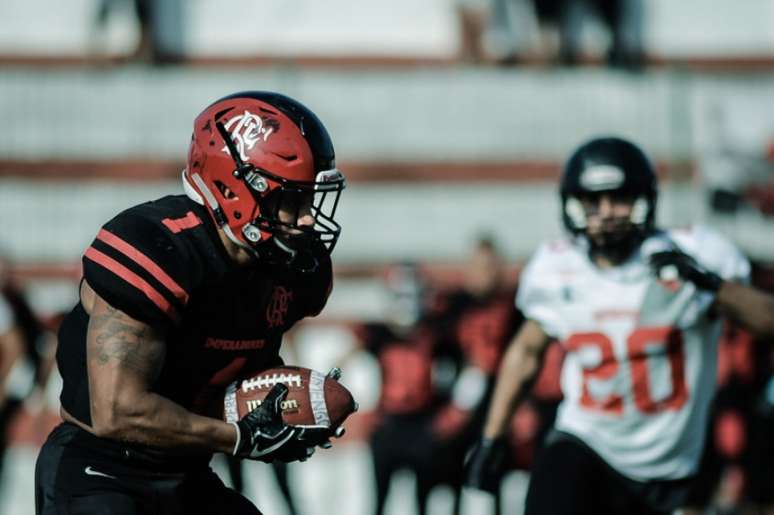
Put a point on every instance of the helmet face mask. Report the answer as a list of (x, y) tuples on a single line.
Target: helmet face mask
[(298, 214), (264, 166), (617, 172)]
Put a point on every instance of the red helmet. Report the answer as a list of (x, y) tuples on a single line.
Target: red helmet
[(255, 152)]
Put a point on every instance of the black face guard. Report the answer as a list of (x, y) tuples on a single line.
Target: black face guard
[(292, 244), (322, 199)]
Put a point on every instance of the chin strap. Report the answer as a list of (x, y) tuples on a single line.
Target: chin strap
[(189, 190), (212, 203), (281, 254)]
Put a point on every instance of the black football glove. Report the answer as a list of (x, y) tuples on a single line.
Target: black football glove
[(294, 450), (262, 432), (687, 267), (484, 465)]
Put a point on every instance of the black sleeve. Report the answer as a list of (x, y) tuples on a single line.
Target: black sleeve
[(141, 268)]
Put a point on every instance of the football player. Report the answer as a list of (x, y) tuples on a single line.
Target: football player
[(417, 371), (637, 310), (26, 356), (12, 369), (182, 295)]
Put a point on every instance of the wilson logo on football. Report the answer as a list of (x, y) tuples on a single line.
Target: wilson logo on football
[(247, 129), (288, 405), (278, 307)]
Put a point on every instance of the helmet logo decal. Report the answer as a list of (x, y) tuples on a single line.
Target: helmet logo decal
[(602, 177), (278, 307), (247, 129)]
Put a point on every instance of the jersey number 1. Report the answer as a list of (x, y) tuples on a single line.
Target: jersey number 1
[(638, 345)]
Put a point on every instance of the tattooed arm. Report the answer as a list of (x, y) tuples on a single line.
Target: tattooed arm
[(124, 358)]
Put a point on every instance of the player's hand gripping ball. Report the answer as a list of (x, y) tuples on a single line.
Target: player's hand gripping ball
[(316, 404)]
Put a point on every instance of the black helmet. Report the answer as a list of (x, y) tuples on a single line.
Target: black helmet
[(608, 164)]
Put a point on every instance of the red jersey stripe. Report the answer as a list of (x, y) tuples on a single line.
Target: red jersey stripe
[(133, 279), (177, 225), (145, 262)]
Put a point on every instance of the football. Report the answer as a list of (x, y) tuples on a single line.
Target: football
[(314, 399)]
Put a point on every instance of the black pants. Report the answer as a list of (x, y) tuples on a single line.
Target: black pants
[(7, 413), (79, 474), (570, 479), (407, 442)]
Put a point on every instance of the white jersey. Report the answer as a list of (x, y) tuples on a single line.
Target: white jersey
[(639, 375)]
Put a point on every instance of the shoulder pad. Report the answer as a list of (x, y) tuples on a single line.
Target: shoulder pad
[(138, 266)]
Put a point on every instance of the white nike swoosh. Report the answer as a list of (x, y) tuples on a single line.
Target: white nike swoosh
[(91, 472)]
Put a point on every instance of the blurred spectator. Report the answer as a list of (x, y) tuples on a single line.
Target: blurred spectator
[(622, 18), (507, 34), (472, 16), (161, 38), (417, 370), (510, 30)]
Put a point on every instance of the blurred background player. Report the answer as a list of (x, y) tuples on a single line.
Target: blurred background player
[(27, 357), (180, 297), (637, 315), (484, 319), (12, 362), (480, 318), (418, 368)]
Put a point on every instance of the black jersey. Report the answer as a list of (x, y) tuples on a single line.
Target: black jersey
[(163, 263), (481, 327), (417, 367)]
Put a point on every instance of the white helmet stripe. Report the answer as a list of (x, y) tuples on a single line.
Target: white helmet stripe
[(190, 191), (206, 191)]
